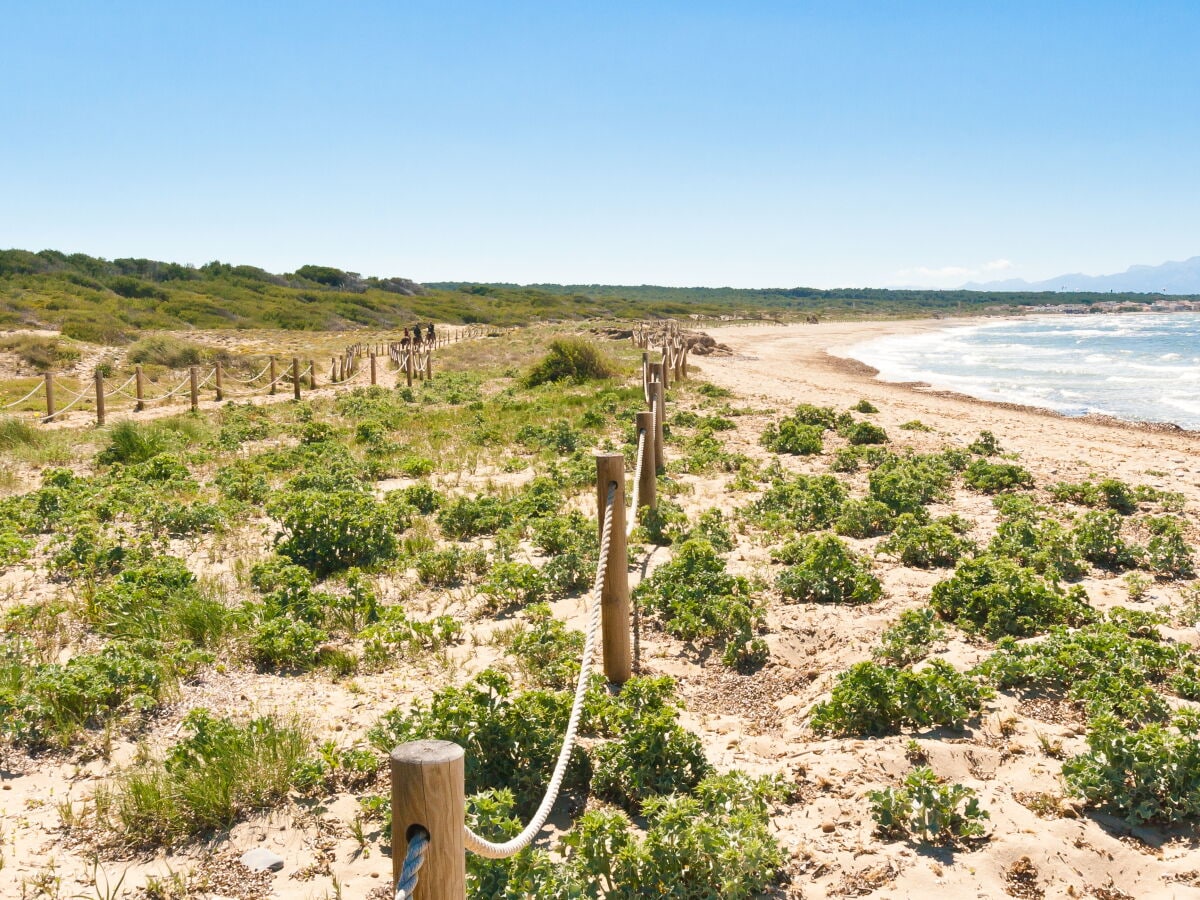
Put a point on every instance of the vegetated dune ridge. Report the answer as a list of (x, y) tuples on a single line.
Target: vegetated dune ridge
[(758, 723)]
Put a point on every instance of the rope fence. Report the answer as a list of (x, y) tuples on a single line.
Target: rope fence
[(356, 365), (428, 777)]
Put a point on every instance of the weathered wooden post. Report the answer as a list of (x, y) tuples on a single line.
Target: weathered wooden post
[(295, 378), (646, 374), (665, 372), (374, 376), (217, 380), (648, 486), (408, 366), (658, 401), (614, 593), (49, 397), (99, 397), (429, 794), (194, 387), (271, 372), (312, 373), (139, 389), (429, 364)]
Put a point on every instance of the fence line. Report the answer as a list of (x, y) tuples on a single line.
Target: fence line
[(427, 777), (346, 369)]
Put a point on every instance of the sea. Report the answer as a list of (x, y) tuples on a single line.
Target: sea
[(1140, 367)]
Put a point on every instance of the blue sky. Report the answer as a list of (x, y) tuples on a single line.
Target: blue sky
[(685, 143)]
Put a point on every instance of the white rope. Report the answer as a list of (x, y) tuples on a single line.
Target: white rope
[(406, 887), (251, 379), (121, 388), (637, 483), (489, 850), (37, 387), (59, 412), (185, 383)]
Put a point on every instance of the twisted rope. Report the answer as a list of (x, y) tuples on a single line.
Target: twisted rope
[(37, 387), (60, 411), (185, 383), (489, 850), (121, 388), (417, 849), (637, 483), (251, 379)]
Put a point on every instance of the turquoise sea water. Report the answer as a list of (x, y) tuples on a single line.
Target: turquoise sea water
[(1138, 367)]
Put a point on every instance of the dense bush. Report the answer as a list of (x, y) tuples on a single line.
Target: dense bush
[(1108, 492), (450, 566), (926, 810), (822, 569), (992, 478), (864, 519), (925, 545), (908, 483), (512, 584), (1168, 554), (859, 433), (801, 503), (1148, 775), (695, 597), (1030, 536), (790, 436), (570, 359), (467, 517), (870, 699), (328, 531), (1097, 538), (995, 596)]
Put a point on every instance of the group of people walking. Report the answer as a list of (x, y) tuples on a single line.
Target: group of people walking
[(416, 338)]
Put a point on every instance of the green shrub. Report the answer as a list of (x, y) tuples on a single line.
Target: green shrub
[(925, 545), (217, 774), (167, 351), (1148, 775), (802, 503), (284, 642), (395, 633), (1111, 493), (985, 445), (134, 442), (712, 526), (823, 417), (926, 810), (327, 532), (914, 425), (916, 634), (859, 433), (41, 353), (1097, 538), (664, 525), (511, 740), (870, 699), (865, 406), (546, 652), (513, 584), (822, 569), (992, 478), (696, 598), (467, 517), (793, 437), (1031, 537), (1168, 554), (907, 483), (450, 566), (570, 359), (995, 596), (863, 519)]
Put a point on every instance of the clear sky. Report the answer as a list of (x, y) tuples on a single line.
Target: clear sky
[(746, 143)]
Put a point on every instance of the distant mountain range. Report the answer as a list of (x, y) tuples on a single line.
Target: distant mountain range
[(1169, 278)]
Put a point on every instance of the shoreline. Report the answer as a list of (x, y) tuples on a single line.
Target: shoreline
[(850, 334)]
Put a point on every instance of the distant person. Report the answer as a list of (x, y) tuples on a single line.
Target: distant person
[(406, 340), (417, 333), (429, 333)]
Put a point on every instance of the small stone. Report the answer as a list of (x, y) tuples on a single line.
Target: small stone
[(374, 874), (260, 859), (828, 827)]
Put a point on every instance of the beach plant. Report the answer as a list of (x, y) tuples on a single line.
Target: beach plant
[(914, 425), (1030, 536), (697, 599), (995, 596), (1168, 554), (864, 519), (905, 484), (928, 811), (915, 635), (395, 634), (545, 651), (664, 525), (873, 699), (468, 517), (859, 433), (1098, 539), (712, 526), (800, 503), (450, 566), (219, 772), (991, 478), (823, 569), (1151, 774), (986, 444), (330, 531), (796, 438), (513, 584), (925, 545), (1107, 493), (865, 406), (570, 359)]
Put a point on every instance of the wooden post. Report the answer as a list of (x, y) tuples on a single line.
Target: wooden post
[(312, 373), (295, 377), (99, 398), (614, 595), (429, 364), (648, 486), (658, 397), (271, 372), (374, 376), (139, 389), (49, 397), (217, 373), (408, 366), (429, 792), (646, 374), (194, 386), (665, 375)]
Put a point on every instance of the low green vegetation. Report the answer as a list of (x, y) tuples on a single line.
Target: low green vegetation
[(822, 569), (925, 810)]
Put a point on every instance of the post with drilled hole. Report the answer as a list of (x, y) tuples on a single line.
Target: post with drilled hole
[(99, 398), (614, 593), (194, 387), (49, 397), (139, 389), (648, 486), (271, 372), (296, 377), (374, 375), (218, 381), (658, 402), (429, 795)]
